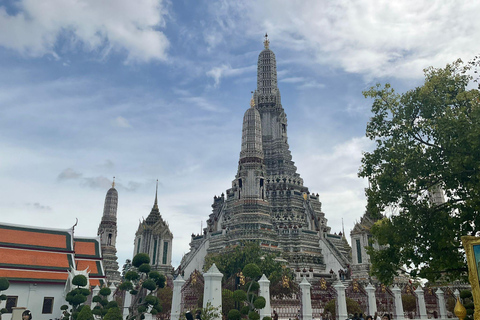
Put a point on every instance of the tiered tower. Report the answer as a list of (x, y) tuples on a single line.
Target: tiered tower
[(107, 231), (153, 237), (268, 202)]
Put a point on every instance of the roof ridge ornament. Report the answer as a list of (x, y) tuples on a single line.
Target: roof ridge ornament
[(266, 42)]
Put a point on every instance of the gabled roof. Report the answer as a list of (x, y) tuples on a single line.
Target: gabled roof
[(87, 248), (31, 254), (35, 238)]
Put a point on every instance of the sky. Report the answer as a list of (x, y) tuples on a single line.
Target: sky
[(154, 89)]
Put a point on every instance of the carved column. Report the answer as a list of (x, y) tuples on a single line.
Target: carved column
[(265, 292), (421, 303), (441, 303), (372, 301), (306, 300), (341, 300), (177, 298), (213, 289), (397, 293)]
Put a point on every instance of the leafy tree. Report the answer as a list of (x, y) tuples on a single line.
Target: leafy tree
[(113, 314), (164, 296), (76, 298), (352, 307), (427, 140), (232, 262), (143, 284), (247, 294), (85, 313)]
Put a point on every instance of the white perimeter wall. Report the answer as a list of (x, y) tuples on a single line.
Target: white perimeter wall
[(30, 296)]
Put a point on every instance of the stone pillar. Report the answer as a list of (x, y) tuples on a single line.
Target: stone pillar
[(112, 289), (372, 301), (95, 291), (441, 303), (397, 293), (265, 292), (177, 298), (126, 304), (307, 299), (17, 313), (421, 302), (213, 290), (341, 301), (456, 293)]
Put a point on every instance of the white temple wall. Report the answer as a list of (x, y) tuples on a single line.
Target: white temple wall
[(31, 296), (198, 260), (329, 259)]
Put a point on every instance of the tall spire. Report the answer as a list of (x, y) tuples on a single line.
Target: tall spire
[(266, 42), (155, 205), (154, 215), (111, 202), (251, 135)]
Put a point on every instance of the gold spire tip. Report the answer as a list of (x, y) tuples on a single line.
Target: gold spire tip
[(113, 182), (252, 102), (266, 42)]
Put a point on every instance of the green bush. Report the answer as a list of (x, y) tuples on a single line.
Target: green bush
[(140, 259), (245, 310), (252, 271), (145, 268), (4, 284), (267, 318), (80, 281), (239, 295), (259, 303), (105, 292), (131, 275), (253, 315), (149, 284), (113, 314), (85, 314), (151, 300), (234, 314)]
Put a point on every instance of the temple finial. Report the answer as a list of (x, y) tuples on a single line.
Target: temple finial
[(156, 192), (252, 102), (266, 42), (113, 182)]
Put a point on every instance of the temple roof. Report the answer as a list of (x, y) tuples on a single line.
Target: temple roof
[(31, 254)]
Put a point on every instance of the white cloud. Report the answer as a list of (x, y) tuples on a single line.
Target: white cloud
[(370, 37), (119, 25), (227, 71), (121, 122), (69, 174)]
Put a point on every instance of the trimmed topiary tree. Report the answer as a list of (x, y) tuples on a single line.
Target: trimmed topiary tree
[(143, 284), (76, 298)]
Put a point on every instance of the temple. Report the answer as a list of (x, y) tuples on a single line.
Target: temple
[(107, 231), (268, 202), (39, 263), (153, 237)]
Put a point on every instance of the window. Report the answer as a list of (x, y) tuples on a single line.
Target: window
[(359, 251), (138, 245), (11, 303), (47, 305), (154, 260), (165, 252)]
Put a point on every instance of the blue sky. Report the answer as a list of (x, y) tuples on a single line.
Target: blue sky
[(153, 89)]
